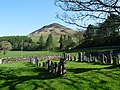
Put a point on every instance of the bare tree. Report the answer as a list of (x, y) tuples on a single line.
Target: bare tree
[(80, 12)]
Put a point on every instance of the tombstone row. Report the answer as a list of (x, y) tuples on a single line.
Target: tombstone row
[(88, 57), (54, 67)]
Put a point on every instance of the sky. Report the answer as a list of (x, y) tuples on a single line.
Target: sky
[(21, 17)]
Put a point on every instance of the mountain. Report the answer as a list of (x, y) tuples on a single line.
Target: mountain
[(55, 29)]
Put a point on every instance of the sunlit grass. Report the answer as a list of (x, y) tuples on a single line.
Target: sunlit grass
[(80, 76), (28, 53)]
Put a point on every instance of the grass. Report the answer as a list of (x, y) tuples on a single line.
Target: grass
[(28, 53), (80, 76)]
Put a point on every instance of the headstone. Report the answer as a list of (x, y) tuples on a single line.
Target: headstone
[(64, 55), (63, 61), (90, 57), (69, 57), (103, 59), (33, 60), (95, 59), (49, 64), (74, 58), (109, 58), (59, 68), (52, 68), (115, 60), (119, 58), (83, 56), (36, 61), (1, 61), (80, 57), (44, 65), (64, 68), (55, 66)]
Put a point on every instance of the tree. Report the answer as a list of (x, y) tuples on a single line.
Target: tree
[(78, 12), (79, 36), (110, 27), (66, 42), (41, 43), (49, 42), (61, 42), (90, 33), (5, 46), (69, 42)]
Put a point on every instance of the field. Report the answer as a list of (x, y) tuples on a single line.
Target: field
[(80, 76), (27, 53)]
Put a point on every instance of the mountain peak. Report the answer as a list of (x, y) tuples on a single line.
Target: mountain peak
[(55, 29)]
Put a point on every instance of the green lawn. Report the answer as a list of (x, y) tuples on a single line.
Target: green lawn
[(28, 53), (80, 76)]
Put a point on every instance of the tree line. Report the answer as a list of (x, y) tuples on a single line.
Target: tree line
[(106, 33), (25, 43)]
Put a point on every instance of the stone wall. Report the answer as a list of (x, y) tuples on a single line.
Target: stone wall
[(27, 59)]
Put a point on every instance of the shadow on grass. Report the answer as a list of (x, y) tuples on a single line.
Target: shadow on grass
[(82, 70), (12, 78)]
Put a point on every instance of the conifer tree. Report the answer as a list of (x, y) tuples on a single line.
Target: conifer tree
[(49, 42), (41, 43)]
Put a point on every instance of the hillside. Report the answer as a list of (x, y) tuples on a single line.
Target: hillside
[(55, 29)]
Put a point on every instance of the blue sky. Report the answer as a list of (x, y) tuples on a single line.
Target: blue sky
[(21, 17)]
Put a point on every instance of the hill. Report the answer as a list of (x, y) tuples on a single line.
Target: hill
[(54, 29)]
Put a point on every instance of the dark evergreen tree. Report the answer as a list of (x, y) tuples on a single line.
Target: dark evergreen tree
[(41, 43), (49, 42), (61, 42)]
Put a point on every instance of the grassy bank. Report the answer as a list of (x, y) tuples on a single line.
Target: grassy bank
[(28, 53), (80, 76)]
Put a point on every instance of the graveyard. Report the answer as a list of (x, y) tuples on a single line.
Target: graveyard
[(74, 71), (60, 45)]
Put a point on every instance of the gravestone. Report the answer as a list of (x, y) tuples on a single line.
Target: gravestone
[(103, 58), (74, 58), (83, 56), (36, 61), (49, 64), (80, 56), (33, 60), (90, 57), (109, 58), (1, 61), (55, 66), (52, 68), (95, 59), (119, 58), (63, 61), (62, 67), (44, 65), (64, 55), (115, 60), (69, 57), (59, 68)]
